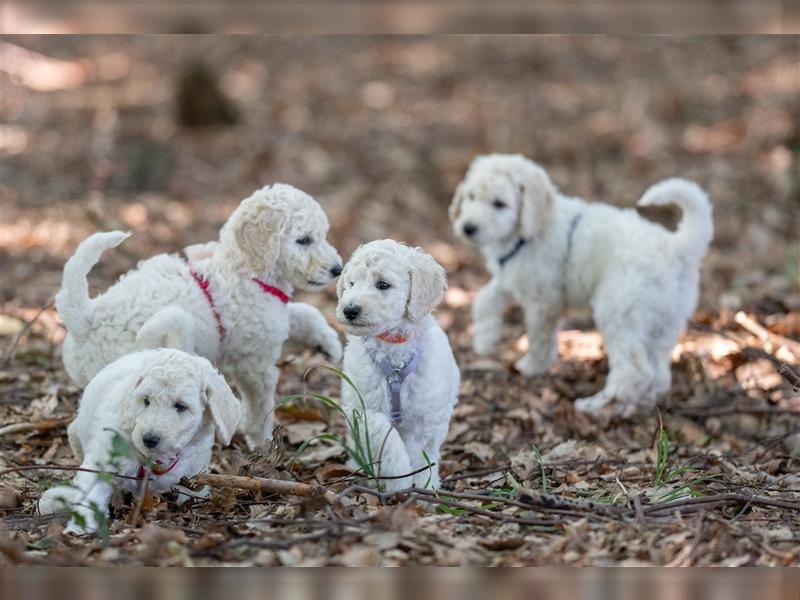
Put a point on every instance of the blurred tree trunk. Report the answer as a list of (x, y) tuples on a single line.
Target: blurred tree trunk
[(199, 101)]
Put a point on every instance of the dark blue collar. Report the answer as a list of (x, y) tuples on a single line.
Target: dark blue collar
[(511, 253)]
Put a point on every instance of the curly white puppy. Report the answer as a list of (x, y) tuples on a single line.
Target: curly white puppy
[(167, 404), (546, 251), (398, 357), (229, 304)]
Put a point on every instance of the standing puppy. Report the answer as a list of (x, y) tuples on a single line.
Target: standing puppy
[(229, 303), (167, 405), (398, 357), (547, 251)]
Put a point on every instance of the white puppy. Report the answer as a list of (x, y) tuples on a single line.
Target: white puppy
[(230, 304), (167, 405), (546, 251), (398, 357)]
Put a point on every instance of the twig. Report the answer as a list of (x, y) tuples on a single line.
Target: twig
[(21, 334), (269, 486), (62, 468), (733, 410), (765, 335), (31, 426), (637, 507), (721, 500), (140, 500)]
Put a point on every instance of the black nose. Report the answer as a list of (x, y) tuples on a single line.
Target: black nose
[(150, 440), (469, 229), (351, 311), (336, 270)]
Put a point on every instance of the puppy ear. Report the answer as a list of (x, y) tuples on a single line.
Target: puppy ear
[(126, 412), (455, 205), (259, 222), (537, 194), (428, 284), (225, 408), (340, 282)]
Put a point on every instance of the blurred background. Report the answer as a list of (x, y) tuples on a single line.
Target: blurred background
[(165, 135)]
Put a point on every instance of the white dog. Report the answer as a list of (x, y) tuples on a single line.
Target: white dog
[(398, 358), (230, 304), (547, 251), (167, 405)]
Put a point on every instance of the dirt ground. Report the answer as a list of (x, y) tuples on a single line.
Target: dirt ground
[(380, 130)]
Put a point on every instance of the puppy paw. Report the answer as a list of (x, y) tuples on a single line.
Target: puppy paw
[(395, 485), (593, 405), (258, 441), (530, 367), (331, 346)]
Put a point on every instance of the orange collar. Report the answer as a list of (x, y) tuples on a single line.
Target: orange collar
[(391, 338)]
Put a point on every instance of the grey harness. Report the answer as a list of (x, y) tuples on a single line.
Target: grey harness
[(395, 377), (522, 241)]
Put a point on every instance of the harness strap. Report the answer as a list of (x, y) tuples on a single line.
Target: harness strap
[(157, 471), (395, 377), (204, 285), (511, 253), (272, 290)]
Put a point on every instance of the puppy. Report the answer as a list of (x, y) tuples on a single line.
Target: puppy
[(229, 302), (167, 405), (398, 358), (546, 251)]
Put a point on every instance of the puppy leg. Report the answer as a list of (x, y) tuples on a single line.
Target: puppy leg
[(487, 316), (430, 477), (307, 326), (170, 327), (257, 380), (86, 499), (630, 375), (389, 450), (540, 324)]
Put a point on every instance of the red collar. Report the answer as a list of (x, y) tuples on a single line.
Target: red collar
[(205, 287), (392, 338), (156, 471), (272, 290)]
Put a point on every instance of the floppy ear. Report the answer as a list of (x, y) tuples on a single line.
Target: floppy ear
[(126, 422), (455, 205), (340, 282), (537, 194), (259, 222), (428, 284), (225, 408)]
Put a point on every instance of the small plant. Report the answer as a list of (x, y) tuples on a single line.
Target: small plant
[(666, 477), (360, 449)]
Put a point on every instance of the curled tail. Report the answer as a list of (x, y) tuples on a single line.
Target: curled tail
[(696, 227), (73, 302)]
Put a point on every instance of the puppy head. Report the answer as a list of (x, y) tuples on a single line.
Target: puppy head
[(175, 396), (386, 285), (502, 195), (282, 229)]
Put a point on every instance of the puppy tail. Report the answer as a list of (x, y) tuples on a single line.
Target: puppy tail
[(697, 227), (72, 301)]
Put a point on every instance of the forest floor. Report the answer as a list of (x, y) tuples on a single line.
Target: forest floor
[(381, 130)]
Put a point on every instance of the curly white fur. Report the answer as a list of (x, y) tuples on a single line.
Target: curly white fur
[(640, 279), (416, 285), (277, 234), (164, 396)]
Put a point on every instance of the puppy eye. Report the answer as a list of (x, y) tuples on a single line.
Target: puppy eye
[(303, 241), (498, 204), (146, 401), (382, 285), (352, 284), (181, 407)]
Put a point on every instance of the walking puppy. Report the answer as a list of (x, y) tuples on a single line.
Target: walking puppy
[(230, 303), (167, 405), (398, 357), (547, 251)]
